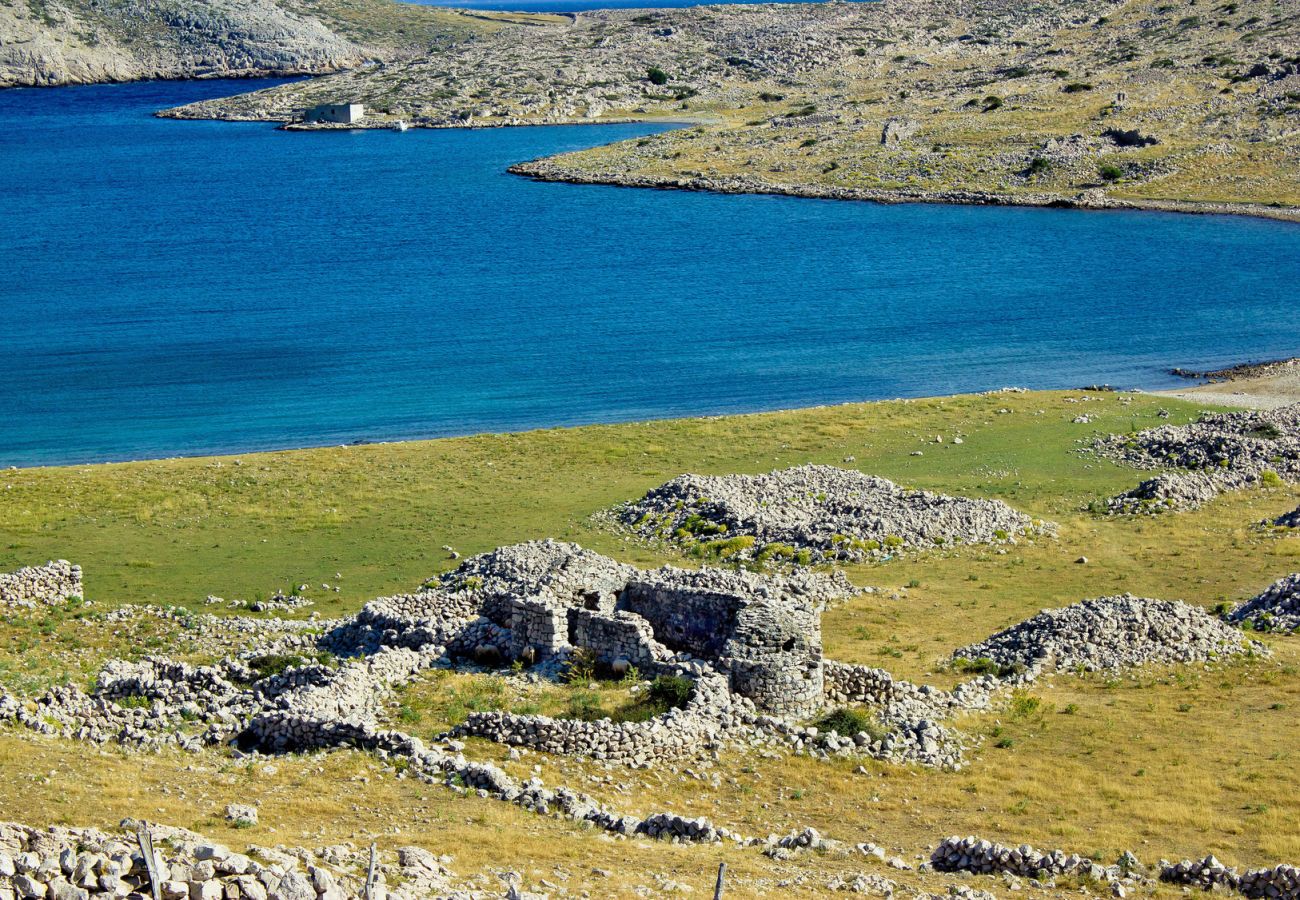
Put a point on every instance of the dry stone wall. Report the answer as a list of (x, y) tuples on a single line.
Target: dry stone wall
[(52, 584), (80, 863)]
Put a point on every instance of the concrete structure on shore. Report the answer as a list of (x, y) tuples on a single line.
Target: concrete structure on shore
[(336, 113)]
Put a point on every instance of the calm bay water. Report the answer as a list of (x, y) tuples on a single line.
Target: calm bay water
[(188, 287)]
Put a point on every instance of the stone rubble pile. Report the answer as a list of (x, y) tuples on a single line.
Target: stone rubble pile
[(1276, 609), (1288, 520), (816, 513), (863, 883), (983, 857), (80, 863), (1219, 452), (52, 584), (1173, 490), (1112, 632), (1278, 883)]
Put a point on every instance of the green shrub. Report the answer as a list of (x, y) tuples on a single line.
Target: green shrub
[(1038, 164), (1266, 431), (991, 103), (1269, 478), (724, 549), (1077, 87), (845, 722), (580, 667), (670, 691), (983, 666), (1110, 172), (657, 75), (275, 663), (775, 550)]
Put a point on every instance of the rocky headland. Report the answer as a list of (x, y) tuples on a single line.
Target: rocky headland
[(56, 42), (1131, 104)]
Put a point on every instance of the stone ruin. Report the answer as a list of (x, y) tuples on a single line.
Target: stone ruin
[(541, 601), (52, 584), (750, 645), (814, 514), (1218, 452)]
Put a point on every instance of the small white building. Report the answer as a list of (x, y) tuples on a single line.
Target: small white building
[(338, 113)]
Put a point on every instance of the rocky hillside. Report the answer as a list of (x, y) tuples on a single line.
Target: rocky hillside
[(52, 42), (1146, 100)]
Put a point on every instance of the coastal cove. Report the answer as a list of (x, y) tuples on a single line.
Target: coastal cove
[(164, 296)]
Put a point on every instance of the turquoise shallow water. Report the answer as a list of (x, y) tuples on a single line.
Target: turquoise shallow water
[(189, 287)]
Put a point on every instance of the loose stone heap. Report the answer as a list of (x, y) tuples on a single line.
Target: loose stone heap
[(1219, 452), (49, 585), (1111, 632), (80, 863), (814, 514), (1277, 609), (971, 854), (1278, 883), (1288, 520)]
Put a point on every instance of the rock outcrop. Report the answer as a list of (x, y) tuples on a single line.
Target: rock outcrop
[(51, 43)]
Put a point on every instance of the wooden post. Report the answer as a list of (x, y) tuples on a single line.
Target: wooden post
[(372, 872), (722, 875), (150, 863)]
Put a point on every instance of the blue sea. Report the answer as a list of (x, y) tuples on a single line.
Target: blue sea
[(180, 288)]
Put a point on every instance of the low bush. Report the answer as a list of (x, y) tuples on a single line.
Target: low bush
[(982, 666), (844, 722)]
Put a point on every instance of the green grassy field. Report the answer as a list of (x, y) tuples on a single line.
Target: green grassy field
[(1170, 762)]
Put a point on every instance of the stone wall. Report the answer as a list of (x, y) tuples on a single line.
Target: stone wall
[(80, 863), (618, 636), (48, 585)]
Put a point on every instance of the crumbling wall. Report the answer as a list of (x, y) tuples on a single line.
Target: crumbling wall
[(620, 635), (48, 585)]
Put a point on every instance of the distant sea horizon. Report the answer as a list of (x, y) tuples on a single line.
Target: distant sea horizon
[(189, 288)]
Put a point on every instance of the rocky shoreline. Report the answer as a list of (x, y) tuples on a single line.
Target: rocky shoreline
[(1242, 371), (1094, 199)]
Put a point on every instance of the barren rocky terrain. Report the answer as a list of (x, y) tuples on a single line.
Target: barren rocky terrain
[(54, 42), (1188, 105)]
